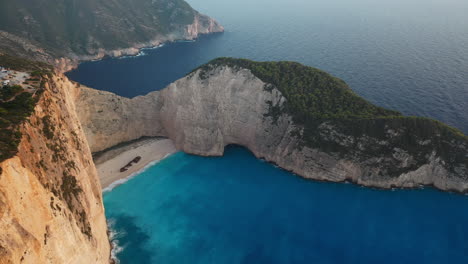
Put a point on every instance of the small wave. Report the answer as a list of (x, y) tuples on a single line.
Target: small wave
[(129, 177), (113, 235), (116, 249), (154, 47), (139, 54)]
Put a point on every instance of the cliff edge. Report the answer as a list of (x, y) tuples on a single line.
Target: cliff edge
[(51, 206), (298, 117)]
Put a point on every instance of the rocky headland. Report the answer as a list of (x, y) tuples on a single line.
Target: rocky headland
[(71, 32), (297, 117)]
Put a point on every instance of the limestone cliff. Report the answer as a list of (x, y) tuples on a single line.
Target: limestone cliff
[(211, 108), (51, 208)]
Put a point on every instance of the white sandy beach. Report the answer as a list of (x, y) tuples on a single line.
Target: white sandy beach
[(150, 150)]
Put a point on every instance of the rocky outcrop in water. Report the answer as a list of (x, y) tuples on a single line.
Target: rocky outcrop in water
[(51, 206), (209, 109)]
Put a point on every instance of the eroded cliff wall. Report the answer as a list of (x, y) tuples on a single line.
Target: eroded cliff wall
[(51, 208), (204, 112)]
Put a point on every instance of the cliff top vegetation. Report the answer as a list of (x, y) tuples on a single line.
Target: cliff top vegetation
[(17, 104), (313, 94), (323, 105)]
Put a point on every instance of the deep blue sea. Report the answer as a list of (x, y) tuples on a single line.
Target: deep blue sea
[(408, 55), (240, 210)]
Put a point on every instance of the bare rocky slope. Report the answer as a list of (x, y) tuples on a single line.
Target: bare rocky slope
[(64, 33), (51, 208), (223, 104)]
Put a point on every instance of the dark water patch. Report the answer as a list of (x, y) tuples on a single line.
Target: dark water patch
[(130, 238), (139, 75)]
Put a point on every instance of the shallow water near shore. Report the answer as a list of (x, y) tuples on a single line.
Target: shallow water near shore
[(238, 209)]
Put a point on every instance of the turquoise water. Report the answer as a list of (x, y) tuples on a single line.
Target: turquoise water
[(238, 209)]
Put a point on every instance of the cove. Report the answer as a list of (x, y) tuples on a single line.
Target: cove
[(238, 209)]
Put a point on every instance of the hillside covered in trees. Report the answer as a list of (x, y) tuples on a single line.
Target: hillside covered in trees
[(32, 29)]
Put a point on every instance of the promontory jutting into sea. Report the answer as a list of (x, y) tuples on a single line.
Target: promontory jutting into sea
[(280, 131)]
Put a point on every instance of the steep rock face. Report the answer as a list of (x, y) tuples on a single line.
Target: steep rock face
[(205, 111), (202, 24), (51, 207), (109, 119)]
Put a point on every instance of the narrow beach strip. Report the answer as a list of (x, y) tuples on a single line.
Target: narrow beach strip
[(110, 163)]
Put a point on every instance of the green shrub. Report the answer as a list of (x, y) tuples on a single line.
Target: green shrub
[(12, 114), (8, 92)]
